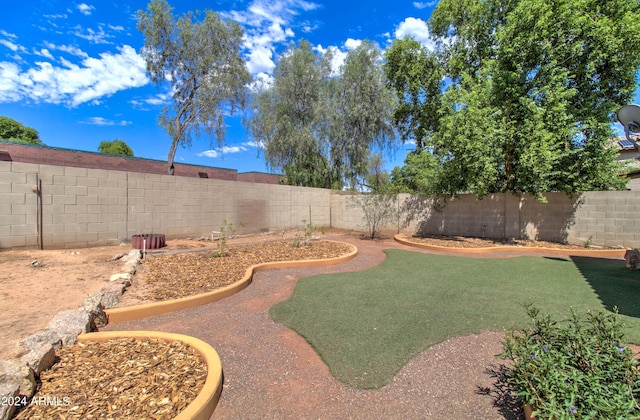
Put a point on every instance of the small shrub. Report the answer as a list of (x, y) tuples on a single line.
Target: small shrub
[(308, 235), (377, 210), (227, 228), (578, 369)]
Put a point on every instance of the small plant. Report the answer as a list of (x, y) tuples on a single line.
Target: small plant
[(588, 242), (227, 228), (308, 235), (577, 369), (376, 209)]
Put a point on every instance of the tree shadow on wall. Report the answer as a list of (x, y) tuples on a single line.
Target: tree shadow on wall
[(615, 285)]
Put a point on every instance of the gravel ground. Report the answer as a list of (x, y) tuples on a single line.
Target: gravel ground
[(272, 373)]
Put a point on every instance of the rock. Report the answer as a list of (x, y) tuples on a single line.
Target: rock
[(16, 372), (121, 278), (9, 393), (110, 294), (95, 309), (632, 257), (135, 254), (38, 351), (130, 267), (70, 324)]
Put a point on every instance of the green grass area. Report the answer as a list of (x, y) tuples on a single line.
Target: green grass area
[(366, 325)]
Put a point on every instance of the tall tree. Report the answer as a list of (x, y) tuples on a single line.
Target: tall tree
[(13, 130), (116, 147), (321, 128), (200, 60), (531, 85)]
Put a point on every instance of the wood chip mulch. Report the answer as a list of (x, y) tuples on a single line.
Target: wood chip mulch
[(473, 242), (119, 378), (182, 275), (151, 378)]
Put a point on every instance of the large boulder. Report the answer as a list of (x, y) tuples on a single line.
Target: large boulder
[(38, 350), (70, 324), (14, 372)]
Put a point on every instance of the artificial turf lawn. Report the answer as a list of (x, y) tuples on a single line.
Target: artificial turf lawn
[(366, 325)]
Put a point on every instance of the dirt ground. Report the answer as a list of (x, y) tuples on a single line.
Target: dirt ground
[(37, 284)]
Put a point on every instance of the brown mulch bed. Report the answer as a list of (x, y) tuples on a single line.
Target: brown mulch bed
[(119, 378), (128, 378), (181, 275), (473, 242)]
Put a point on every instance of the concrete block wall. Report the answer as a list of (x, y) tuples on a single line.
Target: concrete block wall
[(605, 218), (91, 207)]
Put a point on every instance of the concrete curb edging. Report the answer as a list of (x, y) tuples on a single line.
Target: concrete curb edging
[(604, 253), (202, 407), (145, 310)]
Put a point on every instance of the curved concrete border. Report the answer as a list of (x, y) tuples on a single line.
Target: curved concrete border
[(202, 407), (598, 253), (145, 310)]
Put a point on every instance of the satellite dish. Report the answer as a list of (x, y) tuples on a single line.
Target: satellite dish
[(629, 117)]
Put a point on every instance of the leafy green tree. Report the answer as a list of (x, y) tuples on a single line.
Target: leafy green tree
[(12, 130), (360, 113), (201, 62), (416, 76), (288, 118), (115, 147), (531, 85), (321, 128)]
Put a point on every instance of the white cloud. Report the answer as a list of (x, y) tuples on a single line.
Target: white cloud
[(98, 36), (12, 46), (416, 28), (268, 23), (44, 53), (424, 5), (214, 153), (74, 84), (67, 48), (209, 154), (158, 99), (10, 82), (351, 43), (104, 121), (85, 9), (7, 34)]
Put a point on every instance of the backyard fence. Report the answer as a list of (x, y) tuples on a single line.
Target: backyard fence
[(66, 207)]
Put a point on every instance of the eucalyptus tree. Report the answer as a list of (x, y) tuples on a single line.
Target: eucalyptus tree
[(201, 63), (318, 127), (530, 87)]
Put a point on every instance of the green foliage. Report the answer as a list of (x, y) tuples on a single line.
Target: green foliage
[(115, 147), (320, 128), (531, 85), (578, 369), (226, 230), (377, 210), (201, 62), (298, 240), (14, 131)]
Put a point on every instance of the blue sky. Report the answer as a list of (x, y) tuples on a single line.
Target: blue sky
[(72, 70)]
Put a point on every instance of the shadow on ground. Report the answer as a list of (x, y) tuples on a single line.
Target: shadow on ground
[(615, 285)]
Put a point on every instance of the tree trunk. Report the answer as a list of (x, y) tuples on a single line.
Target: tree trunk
[(172, 154)]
